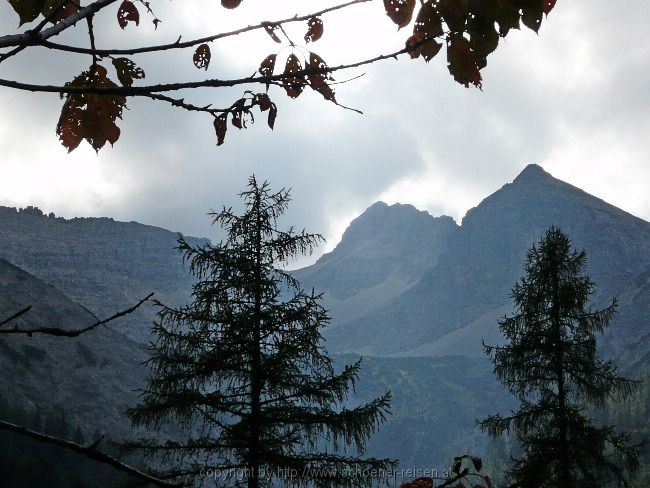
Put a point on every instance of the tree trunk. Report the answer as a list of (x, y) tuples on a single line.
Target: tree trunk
[(256, 362), (565, 473)]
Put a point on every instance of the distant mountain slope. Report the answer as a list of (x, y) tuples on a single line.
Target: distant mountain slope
[(436, 402), (98, 262), (455, 303), (383, 252), (91, 377), (400, 282)]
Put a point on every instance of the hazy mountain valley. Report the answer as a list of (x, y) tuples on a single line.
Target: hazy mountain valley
[(415, 294)]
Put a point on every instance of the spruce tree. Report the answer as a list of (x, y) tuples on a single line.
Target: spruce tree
[(242, 374), (550, 363)]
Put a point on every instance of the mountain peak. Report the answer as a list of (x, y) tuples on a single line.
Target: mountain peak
[(533, 172), (383, 209), (399, 229), (397, 222)]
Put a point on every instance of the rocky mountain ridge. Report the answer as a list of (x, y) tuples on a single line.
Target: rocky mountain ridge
[(382, 253), (454, 301), (100, 263), (400, 283)]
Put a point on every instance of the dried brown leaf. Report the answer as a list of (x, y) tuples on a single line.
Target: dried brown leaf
[(230, 3), (314, 29), (462, 62), (202, 57), (273, 112), (27, 10), (220, 127), (127, 12), (318, 81), (400, 11), (293, 85), (127, 71), (547, 5), (90, 116), (263, 100), (455, 13), (267, 65), (66, 10)]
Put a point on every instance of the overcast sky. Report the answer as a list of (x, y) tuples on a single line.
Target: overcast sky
[(574, 99)]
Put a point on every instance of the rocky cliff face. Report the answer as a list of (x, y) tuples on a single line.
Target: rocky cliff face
[(102, 264)]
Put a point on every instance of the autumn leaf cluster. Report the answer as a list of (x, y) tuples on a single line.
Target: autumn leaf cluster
[(469, 29)]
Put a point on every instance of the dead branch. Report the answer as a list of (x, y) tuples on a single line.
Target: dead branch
[(60, 332), (16, 315), (90, 451)]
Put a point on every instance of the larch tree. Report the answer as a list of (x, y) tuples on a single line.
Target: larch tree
[(241, 371), (550, 363), (96, 97)]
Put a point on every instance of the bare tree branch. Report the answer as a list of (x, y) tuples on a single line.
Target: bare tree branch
[(90, 451), (134, 91), (194, 42), (56, 331), (91, 37)]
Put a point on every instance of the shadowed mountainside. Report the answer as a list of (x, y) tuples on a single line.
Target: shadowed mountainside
[(90, 377), (100, 263)]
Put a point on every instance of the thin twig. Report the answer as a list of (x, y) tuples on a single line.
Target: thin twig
[(194, 42), (57, 331), (91, 36), (351, 109), (284, 32), (16, 315), (180, 102)]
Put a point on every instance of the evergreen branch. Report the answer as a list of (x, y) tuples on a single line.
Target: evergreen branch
[(199, 444), (323, 388), (157, 405)]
